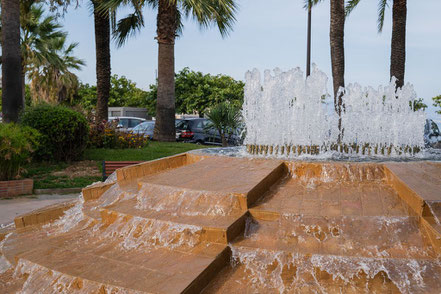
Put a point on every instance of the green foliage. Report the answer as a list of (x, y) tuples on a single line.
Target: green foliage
[(155, 150), (16, 147), (226, 119), (418, 104), (64, 132), (437, 103), (198, 92), (123, 92), (107, 135)]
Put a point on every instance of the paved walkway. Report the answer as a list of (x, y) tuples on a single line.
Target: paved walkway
[(11, 208)]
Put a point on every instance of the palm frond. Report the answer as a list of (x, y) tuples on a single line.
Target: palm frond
[(208, 13), (127, 27), (382, 5), (350, 6), (310, 3)]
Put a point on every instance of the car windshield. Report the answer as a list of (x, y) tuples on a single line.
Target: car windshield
[(144, 126)]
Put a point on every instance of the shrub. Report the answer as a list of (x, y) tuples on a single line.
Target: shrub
[(64, 132), (107, 135), (16, 146)]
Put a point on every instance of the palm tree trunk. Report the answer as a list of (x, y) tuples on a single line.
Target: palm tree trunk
[(12, 101), (336, 36), (308, 41), (165, 106), (398, 46), (102, 47)]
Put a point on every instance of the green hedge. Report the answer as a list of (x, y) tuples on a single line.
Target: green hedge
[(64, 132), (16, 147)]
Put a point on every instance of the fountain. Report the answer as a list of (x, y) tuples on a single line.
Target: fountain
[(287, 115), (257, 222)]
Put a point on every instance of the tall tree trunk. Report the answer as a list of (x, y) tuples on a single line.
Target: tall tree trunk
[(165, 106), (336, 36), (398, 46), (12, 101), (102, 47), (308, 41)]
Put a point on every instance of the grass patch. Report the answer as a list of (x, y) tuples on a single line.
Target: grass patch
[(155, 150), (42, 174), (47, 175)]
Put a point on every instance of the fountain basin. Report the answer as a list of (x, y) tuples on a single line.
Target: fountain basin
[(203, 223)]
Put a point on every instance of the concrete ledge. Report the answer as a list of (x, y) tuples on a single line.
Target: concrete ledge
[(43, 215), (95, 191), (150, 167)]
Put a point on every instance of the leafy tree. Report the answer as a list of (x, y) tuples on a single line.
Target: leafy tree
[(220, 13), (225, 118), (198, 92), (123, 92), (437, 103), (418, 104)]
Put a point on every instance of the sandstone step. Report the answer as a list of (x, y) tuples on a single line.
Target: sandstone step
[(87, 259), (288, 278), (249, 177), (199, 227), (333, 199), (359, 236), (156, 271)]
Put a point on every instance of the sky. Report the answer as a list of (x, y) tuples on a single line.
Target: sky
[(272, 33)]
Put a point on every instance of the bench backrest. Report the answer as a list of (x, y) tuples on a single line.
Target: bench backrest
[(110, 166)]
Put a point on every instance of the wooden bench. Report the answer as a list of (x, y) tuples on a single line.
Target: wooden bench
[(110, 166)]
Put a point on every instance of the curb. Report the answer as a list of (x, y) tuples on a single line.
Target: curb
[(61, 191)]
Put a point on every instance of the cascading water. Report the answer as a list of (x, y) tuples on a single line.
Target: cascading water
[(290, 115)]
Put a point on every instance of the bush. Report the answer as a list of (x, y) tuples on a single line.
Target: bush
[(107, 135), (64, 132), (16, 146)]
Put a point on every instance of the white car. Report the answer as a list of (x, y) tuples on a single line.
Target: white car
[(127, 123)]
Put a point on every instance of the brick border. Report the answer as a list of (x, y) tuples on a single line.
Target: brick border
[(16, 187)]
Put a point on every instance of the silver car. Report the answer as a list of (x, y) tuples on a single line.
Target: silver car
[(146, 128)]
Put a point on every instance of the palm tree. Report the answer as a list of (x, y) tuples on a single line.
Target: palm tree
[(38, 35), (225, 118), (54, 81), (102, 50), (398, 43), (336, 36), (11, 60), (205, 12)]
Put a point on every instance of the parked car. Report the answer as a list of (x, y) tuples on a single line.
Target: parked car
[(146, 128), (432, 135), (127, 123), (197, 130)]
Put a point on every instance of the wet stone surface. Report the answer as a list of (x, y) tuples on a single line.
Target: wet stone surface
[(315, 228)]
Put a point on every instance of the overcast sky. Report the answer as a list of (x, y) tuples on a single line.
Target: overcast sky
[(271, 34)]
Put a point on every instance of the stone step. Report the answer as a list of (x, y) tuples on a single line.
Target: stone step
[(331, 199), (379, 237), (125, 216), (247, 177), (85, 260), (155, 271), (274, 278)]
